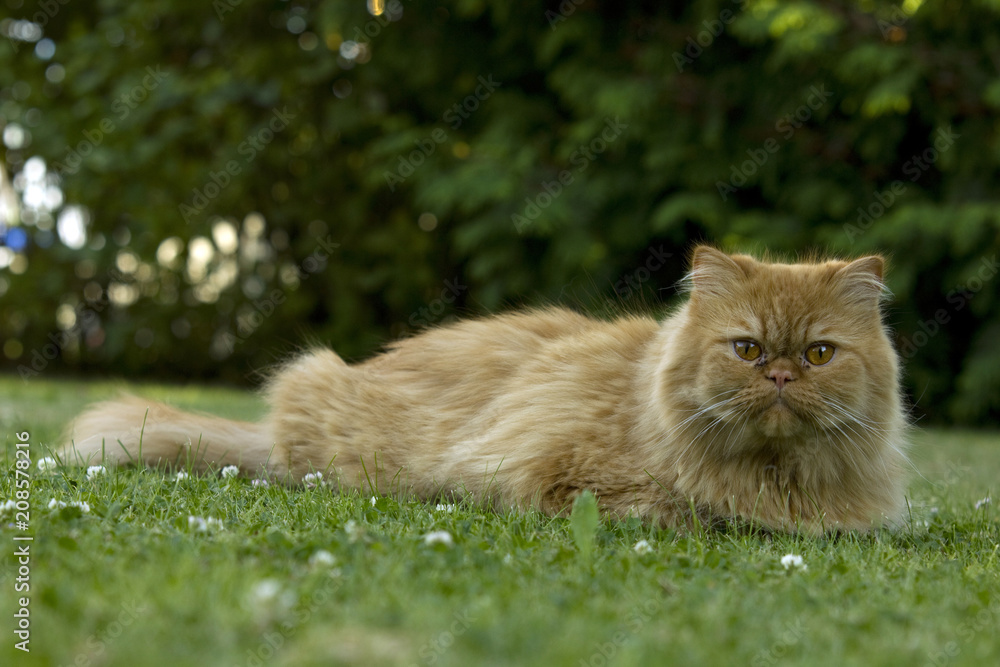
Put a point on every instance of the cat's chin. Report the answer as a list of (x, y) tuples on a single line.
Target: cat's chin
[(779, 421)]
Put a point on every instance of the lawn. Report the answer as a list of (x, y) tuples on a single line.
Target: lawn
[(303, 576)]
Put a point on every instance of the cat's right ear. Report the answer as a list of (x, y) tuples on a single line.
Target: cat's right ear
[(713, 271), (862, 280)]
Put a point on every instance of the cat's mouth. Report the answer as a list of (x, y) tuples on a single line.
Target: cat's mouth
[(781, 405), (779, 418)]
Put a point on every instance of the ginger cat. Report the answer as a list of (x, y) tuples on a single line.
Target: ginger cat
[(770, 396)]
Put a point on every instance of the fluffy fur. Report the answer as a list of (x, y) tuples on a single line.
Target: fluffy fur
[(659, 420)]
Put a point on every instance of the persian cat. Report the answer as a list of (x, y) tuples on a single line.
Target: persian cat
[(771, 396)]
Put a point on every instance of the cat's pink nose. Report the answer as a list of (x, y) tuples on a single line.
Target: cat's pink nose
[(780, 377)]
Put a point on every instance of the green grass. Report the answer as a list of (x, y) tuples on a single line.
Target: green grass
[(131, 583)]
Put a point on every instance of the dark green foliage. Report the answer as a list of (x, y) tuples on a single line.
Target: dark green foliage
[(790, 128)]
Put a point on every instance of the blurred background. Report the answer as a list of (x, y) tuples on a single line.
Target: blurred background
[(195, 190)]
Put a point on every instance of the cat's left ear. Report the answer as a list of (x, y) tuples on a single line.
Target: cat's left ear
[(862, 280)]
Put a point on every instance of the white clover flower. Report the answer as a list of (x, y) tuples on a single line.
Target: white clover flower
[(59, 504), (354, 531), (7, 506), (793, 560), (322, 558), (95, 471), (181, 476), (374, 501), (47, 464), (313, 480), (265, 591), (204, 525), (642, 547), (445, 508), (260, 482), (982, 503), (439, 537), (269, 597), (230, 471)]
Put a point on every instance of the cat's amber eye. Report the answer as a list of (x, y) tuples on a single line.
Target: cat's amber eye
[(747, 350), (819, 354)]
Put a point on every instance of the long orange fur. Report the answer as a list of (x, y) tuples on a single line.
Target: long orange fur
[(658, 419)]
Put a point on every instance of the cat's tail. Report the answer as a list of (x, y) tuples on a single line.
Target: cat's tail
[(134, 430)]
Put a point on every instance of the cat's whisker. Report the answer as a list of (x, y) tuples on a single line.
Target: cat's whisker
[(725, 416), (707, 400), (732, 425), (731, 441), (882, 437), (697, 438), (853, 415), (867, 441), (876, 450), (870, 426), (879, 438), (699, 413), (706, 408), (849, 448), (846, 448)]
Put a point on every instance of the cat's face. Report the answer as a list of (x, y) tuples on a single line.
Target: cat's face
[(787, 351)]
